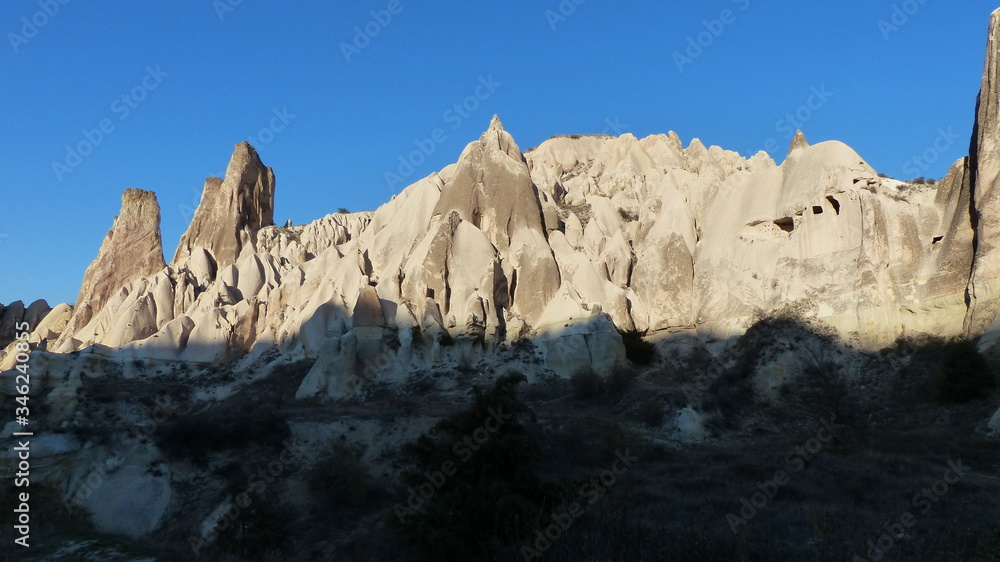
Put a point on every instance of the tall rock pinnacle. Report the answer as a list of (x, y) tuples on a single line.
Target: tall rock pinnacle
[(232, 210), (798, 142), (493, 190), (984, 284), (132, 249)]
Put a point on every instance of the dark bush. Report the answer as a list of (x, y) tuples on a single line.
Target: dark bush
[(340, 480), (193, 437), (965, 374), (637, 349), (261, 531), (620, 381), (493, 496), (587, 385), (651, 413)]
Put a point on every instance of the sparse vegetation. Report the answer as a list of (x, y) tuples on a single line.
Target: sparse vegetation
[(651, 413), (637, 349), (965, 374), (340, 480), (913, 407), (483, 490), (588, 385)]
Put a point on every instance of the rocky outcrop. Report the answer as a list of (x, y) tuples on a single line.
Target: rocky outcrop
[(131, 250), (983, 290), (232, 210), (491, 189), (564, 244)]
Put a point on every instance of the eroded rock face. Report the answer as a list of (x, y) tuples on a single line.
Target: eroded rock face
[(564, 244), (131, 250), (232, 210), (985, 169), (492, 190)]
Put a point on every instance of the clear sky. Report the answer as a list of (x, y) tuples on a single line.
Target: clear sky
[(175, 84)]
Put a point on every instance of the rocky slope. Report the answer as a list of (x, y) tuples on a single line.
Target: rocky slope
[(563, 246)]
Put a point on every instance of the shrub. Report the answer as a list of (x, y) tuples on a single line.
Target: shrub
[(340, 479), (193, 437), (587, 384), (343, 211), (492, 497), (620, 381), (651, 413), (264, 526), (965, 374), (637, 349)]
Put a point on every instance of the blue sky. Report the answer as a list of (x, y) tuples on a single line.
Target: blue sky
[(199, 76)]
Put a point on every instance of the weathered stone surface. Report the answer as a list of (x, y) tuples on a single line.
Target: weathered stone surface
[(492, 189), (232, 210), (983, 291), (131, 250), (683, 242)]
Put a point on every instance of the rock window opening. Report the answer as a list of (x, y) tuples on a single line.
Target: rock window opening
[(835, 203)]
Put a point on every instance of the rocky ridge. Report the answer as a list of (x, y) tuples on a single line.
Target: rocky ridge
[(531, 260), (566, 244)]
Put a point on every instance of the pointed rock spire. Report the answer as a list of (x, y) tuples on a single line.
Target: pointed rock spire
[(984, 284), (798, 142), (501, 139), (132, 249), (492, 189), (232, 210)]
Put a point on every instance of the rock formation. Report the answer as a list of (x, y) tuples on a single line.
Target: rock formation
[(231, 210), (984, 154), (131, 250), (564, 244)]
